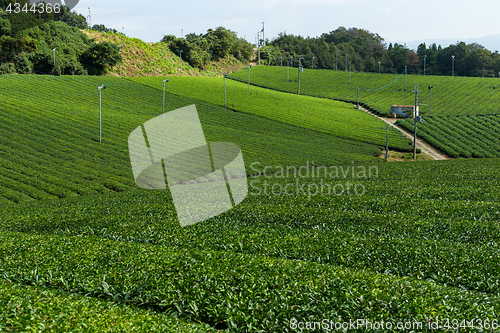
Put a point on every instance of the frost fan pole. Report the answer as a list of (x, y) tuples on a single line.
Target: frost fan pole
[(300, 67), (249, 78), (225, 104), (100, 123), (406, 79), (415, 115), (430, 101), (119, 50), (166, 80), (357, 107)]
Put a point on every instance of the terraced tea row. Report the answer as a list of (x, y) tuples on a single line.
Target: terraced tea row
[(450, 95), (331, 117), (49, 140), (418, 243), (35, 308), (474, 136)]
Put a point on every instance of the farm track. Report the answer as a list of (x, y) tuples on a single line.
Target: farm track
[(426, 149)]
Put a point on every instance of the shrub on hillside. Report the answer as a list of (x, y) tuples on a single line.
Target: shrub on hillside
[(100, 56), (23, 64), (7, 68)]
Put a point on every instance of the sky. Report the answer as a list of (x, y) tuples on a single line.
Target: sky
[(399, 21)]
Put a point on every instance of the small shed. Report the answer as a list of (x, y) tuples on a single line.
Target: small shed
[(403, 110)]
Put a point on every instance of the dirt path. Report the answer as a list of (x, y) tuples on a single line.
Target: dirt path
[(426, 149)]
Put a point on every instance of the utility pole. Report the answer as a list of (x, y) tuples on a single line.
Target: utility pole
[(379, 66), (387, 143), (300, 68), (166, 80), (263, 36), (346, 61), (90, 20), (425, 58), (258, 44), (415, 117), (281, 61)]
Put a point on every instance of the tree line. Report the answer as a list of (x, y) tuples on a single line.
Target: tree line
[(364, 51), (200, 50), (28, 43)]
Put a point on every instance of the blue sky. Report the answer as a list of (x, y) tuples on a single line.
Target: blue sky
[(394, 20)]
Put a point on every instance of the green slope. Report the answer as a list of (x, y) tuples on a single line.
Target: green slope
[(49, 142), (418, 244), (336, 118), (450, 95), (150, 59)]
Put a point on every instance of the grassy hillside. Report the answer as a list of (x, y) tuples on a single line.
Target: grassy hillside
[(152, 59), (335, 118), (451, 96), (418, 244), (49, 147)]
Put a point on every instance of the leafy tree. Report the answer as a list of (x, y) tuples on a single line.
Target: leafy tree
[(199, 50), (399, 55), (99, 57), (365, 49), (5, 26), (223, 42), (72, 19), (103, 28)]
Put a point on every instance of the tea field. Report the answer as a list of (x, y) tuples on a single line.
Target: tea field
[(466, 136), (410, 243), (49, 142), (82, 248), (451, 96), (336, 118)]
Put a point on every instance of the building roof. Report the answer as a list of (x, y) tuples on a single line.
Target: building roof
[(405, 106)]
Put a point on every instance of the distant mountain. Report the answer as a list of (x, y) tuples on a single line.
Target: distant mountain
[(491, 42)]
